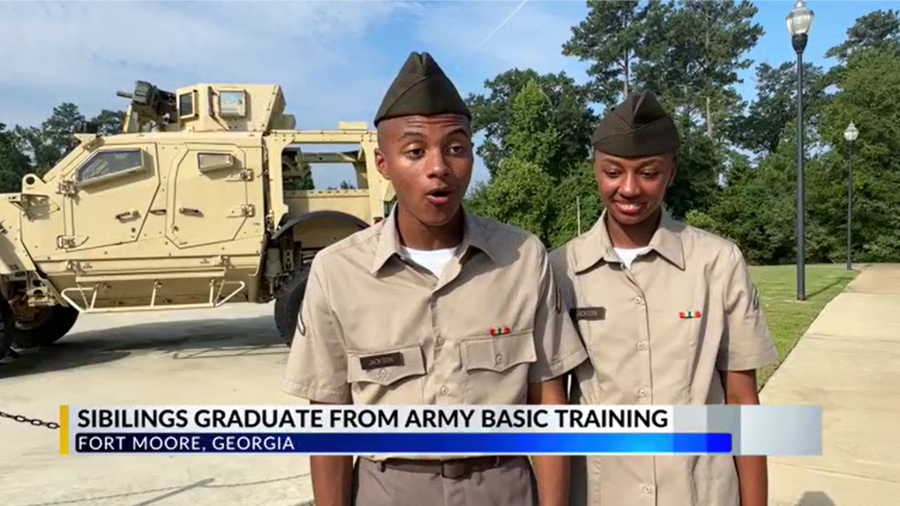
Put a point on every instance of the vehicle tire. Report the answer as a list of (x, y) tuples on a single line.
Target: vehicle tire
[(287, 303), (51, 324), (6, 338)]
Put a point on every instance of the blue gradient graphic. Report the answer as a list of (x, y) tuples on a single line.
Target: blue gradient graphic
[(507, 443)]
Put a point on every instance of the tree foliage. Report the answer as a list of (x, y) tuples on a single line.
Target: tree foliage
[(37, 149), (876, 29), (694, 52), (868, 97), (518, 192), (609, 38), (14, 164), (761, 128), (737, 166), (568, 109)]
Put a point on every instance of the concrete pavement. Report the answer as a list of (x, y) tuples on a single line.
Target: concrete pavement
[(848, 362), (226, 356)]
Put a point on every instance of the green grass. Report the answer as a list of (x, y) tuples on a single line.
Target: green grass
[(788, 317)]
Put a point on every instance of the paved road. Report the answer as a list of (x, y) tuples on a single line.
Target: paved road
[(849, 363), (226, 356)]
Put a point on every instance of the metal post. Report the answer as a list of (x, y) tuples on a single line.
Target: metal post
[(849, 205), (799, 43)]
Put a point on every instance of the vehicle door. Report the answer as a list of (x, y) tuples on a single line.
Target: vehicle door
[(110, 195), (208, 194)]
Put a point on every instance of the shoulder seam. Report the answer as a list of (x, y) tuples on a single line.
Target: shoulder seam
[(347, 243)]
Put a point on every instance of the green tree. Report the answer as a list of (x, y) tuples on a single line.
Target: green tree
[(13, 163), (609, 38), (761, 128), (868, 97), (876, 29), (699, 164), (109, 122), (568, 110), (300, 171), (520, 191), (826, 208), (576, 205), (48, 144), (305, 181), (757, 211), (518, 195), (694, 53), (532, 135)]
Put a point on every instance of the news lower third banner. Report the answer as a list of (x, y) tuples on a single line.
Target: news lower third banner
[(443, 430)]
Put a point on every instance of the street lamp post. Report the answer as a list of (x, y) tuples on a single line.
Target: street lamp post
[(799, 22), (850, 135)]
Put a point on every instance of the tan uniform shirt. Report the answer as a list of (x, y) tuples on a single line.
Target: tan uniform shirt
[(647, 346), (374, 328)]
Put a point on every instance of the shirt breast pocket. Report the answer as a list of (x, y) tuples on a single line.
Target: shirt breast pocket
[(497, 368), (390, 376)]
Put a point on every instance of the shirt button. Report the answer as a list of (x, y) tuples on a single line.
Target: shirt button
[(440, 341), (642, 346), (642, 392), (639, 301), (445, 390), (382, 373), (647, 489), (498, 359)]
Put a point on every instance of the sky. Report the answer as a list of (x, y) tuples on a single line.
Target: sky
[(333, 59)]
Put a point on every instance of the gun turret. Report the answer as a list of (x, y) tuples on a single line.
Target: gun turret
[(206, 107), (151, 103)]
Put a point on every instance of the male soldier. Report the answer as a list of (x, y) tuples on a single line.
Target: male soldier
[(669, 315), (433, 306)]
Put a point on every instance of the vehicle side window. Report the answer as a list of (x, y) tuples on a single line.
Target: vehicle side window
[(108, 163)]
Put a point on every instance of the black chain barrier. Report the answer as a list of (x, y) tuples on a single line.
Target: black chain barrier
[(6, 351), (32, 421)]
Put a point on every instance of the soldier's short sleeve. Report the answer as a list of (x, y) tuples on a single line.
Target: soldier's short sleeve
[(557, 342), (317, 362), (747, 343)]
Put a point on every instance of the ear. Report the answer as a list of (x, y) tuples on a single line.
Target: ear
[(381, 163)]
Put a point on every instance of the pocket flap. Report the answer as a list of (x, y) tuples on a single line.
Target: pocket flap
[(499, 353), (385, 367)]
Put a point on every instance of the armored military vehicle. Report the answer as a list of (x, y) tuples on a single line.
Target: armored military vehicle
[(191, 206)]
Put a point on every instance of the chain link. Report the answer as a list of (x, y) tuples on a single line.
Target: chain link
[(33, 421), (6, 351)]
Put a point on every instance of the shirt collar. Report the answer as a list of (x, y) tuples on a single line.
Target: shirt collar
[(595, 245), (474, 236)]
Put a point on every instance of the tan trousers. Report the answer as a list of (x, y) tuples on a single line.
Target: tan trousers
[(510, 484)]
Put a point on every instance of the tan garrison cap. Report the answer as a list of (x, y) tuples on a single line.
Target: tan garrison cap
[(421, 89), (638, 127)]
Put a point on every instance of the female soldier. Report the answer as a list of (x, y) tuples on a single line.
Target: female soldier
[(669, 315)]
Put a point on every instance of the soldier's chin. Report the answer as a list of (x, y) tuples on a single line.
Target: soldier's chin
[(439, 216), (631, 218)]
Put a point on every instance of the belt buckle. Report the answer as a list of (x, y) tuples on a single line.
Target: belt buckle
[(454, 470)]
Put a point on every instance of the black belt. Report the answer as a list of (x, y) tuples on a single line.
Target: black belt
[(453, 469)]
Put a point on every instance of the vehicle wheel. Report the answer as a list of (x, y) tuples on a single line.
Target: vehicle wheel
[(6, 338), (287, 303), (41, 326)]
